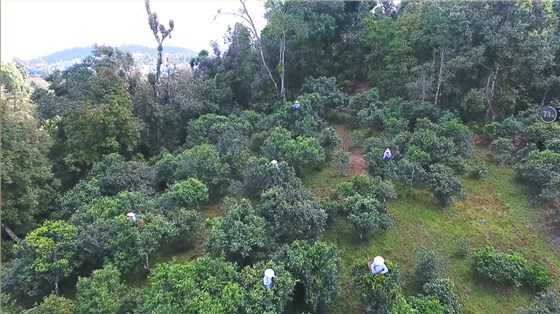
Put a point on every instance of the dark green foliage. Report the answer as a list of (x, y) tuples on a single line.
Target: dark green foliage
[(202, 162), (426, 305), (106, 235), (292, 214), (328, 139), (203, 286), (547, 302), (443, 289), (97, 127), (535, 168), (299, 152), (511, 269), (233, 148), (462, 248), (341, 161), (537, 277), (9, 304), (367, 187), (187, 224), (429, 265), (363, 100), (214, 286), (378, 293), (479, 171), (189, 193), (366, 215), (499, 267), (240, 235), (28, 184), (445, 186), (303, 121), (462, 136), (116, 175), (44, 258), (260, 174), (327, 89), (13, 80), (258, 299), (503, 150), (387, 55), (319, 269), (104, 292), (54, 304), (209, 128), (539, 133)]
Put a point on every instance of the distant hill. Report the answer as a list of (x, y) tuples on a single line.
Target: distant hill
[(82, 52), (144, 57)]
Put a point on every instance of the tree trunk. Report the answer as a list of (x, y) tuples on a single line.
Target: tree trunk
[(159, 61), (544, 97), (56, 290), (490, 93), (147, 263), (249, 20), (440, 75), (281, 66), (12, 235)]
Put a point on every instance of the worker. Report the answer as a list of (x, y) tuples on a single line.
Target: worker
[(378, 266), (387, 154), (131, 217), (296, 105), (275, 163), (268, 278)]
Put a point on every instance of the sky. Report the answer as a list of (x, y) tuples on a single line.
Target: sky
[(36, 28)]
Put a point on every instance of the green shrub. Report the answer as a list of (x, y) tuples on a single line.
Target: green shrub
[(537, 277), (462, 248), (377, 293), (443, 289), (545, 303), (499, 267), (503, 150), (429, 265), (426, 305), (480, 171), (342, 162), (188, 193), (509, 268)]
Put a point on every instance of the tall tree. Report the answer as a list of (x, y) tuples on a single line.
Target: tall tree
[(160, 34), (27, 180), (243, 13), (44, 258)]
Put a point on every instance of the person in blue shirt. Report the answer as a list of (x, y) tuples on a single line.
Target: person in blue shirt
[(268, 278), (296, 105), (387, 154), (378, 266)]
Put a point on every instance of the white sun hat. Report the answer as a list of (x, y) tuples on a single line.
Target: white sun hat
[(378, 260), (269, 273)]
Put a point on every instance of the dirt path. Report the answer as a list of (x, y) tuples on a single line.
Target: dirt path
[(356, 160)]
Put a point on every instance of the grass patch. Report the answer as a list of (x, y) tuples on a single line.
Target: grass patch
[(496, 212)]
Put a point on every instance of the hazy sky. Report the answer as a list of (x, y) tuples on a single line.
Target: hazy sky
[(35, 28)]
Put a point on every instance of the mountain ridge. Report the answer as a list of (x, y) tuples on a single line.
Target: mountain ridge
[(82, 52)]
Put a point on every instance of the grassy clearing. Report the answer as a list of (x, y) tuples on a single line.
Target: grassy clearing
[(496, 212)]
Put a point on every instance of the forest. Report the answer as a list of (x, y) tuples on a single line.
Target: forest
[(174, 192)]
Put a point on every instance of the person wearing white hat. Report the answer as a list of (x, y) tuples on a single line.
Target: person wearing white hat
[(378, 266), (387, 154), (268, 278), (131, 217)]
